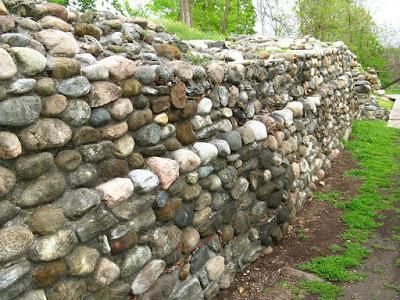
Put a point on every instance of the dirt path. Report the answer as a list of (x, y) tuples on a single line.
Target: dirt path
[(317, 229), (383, 281)]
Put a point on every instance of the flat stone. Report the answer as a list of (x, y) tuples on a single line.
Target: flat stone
[(7, 65), (46, 134), (147, 276), (119, 67), (10, 146), (58, 43), (85, 135), (45, 189), (30, 167), (75, 203), (74, 87), (47, 274), (116, 190), (21, 86), (162, 287), (83, 29), (51, 9), (46, 220), (96, 152), (93, 223), (14, 242), (63, 67), (189, 289), (114, 131), (54, 105), (166, 169), (164, 240), (188, 160), (144, 180), (95, 72), (134, 260), (21, 111), (103, 92), (50, 22), (82, 261), (130, 208), (105, 274), (12, 272), (54, 246)]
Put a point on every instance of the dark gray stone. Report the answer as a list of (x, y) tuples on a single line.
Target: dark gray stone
[(148, 135), (33, 166), (75, 203), (21, 111), (99, 117)]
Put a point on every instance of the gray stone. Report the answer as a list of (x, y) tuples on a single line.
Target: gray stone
[(93, 223), (164, 240), (96, 152), (45, 189), (147, 276), (14, 242), (228, 176), (222, 146), (7, 211), (33, 295), (148, 135), (21, 111), (130, 208), (12, 272), (233, 139), (29, 61), (54, 246), (162, 287), (33, 166), (189, 289), (46, 220), (46, 134), (143, 180), (146, 75), (74, 87), (84, 176), (99, 117), (134, 260), (21, 86), (75, 203), (76, 113)]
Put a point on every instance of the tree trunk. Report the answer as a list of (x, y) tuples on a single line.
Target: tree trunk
[(224, 22), (391, 83), (185, 12)]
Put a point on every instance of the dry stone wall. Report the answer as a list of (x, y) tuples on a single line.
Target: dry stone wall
[(125, 169)]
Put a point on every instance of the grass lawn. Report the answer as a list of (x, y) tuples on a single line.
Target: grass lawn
[(384, 103), (376, 148), (185, 32)]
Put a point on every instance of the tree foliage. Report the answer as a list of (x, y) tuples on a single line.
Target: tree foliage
[(345, 20), (208, 14)]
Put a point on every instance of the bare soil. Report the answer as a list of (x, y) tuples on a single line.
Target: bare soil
[(317, 228)]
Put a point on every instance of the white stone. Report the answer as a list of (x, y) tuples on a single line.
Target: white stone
[(222, 146), (258, 128), (188, 160), (204, 106), (116, 190), (144, 180), (215, 266), (147, 276), (206, 151), (296, 107)]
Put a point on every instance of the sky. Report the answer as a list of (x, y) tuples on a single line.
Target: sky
[(385, 12)]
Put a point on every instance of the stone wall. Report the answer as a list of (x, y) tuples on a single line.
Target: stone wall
[(126, 169)]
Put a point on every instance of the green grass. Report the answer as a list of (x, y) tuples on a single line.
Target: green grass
[(385, 103), (185, 32), (332, 197), (375, 147), (324, 290), (393, 90)]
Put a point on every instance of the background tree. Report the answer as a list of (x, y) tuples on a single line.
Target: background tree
[(185, 12), (345, 20)]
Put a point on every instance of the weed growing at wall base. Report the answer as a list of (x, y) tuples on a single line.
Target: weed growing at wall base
[(376, 148)]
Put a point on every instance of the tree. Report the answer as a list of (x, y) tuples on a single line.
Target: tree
[(185, 12), (277, 16), (226, 15), (345, 20)]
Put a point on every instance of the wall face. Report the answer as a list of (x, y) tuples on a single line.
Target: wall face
[(127, 170)]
